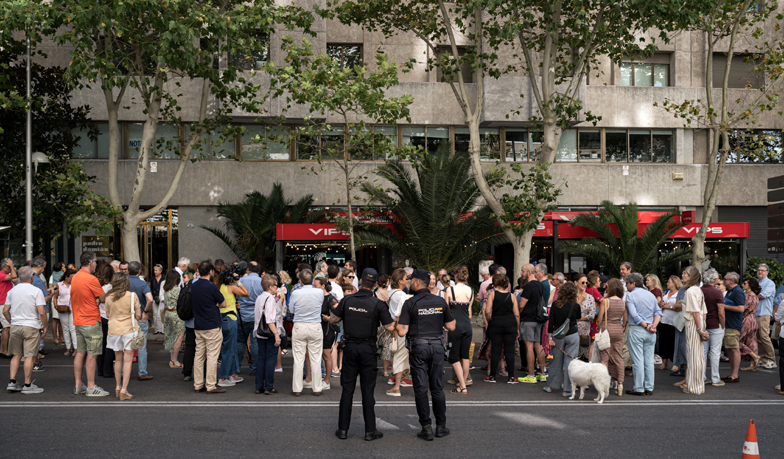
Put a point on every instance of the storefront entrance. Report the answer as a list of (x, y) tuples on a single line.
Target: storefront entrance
[(158, 240)]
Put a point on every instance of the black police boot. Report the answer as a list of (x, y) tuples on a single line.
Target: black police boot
[(426, 433), (342, 434), (441, 431), (370, 436)]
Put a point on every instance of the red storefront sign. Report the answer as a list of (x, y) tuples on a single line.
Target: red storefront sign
[(328, 232)]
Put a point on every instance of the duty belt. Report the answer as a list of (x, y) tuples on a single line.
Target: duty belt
[(428, 341)]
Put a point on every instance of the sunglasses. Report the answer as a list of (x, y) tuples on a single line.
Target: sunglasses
[(350, 277), (583, 283)]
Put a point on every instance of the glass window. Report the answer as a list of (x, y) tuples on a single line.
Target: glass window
[(307, 145), (222, 147), (755, 146), (643, 75), (103, 140), (414, 136), (257, 57), (616, 146), (85, 147), (385, 151), (535, 145), (567, 147), (590, 145), (332, 143), (135, 131), (516, 144), (278, 143), (490, 144), (462, 140), (639, 146), (435, 137), (661, 75), (626, 74), (167, 142), (662, 150), (201, 150), (250, 146), (345, 55)]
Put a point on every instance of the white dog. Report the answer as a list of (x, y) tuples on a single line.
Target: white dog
[(584, 374)]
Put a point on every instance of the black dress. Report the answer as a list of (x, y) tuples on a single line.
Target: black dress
[(328, 330), (460, 338)]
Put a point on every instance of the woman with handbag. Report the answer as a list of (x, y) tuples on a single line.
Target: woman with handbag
[(123, 313), (694, 311), (267, 337), (587, 314), (62, 304), (612, 323), (503, 326), (328, 330), (173, 326), (564, 339)]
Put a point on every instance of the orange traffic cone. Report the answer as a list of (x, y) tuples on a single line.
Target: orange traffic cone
[(750, 448)]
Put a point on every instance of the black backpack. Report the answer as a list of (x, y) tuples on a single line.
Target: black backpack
[(184, 303), (541, 309)]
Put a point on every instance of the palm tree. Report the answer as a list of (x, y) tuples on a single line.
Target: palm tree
[(251, 223), (610, 250), (433, 205)]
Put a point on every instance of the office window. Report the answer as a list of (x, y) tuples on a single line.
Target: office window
[(256, 58), (278, 143), (345, 55), (590, 145), (742, 71), (201, 150), (662, 150), (307, 145), (252, 143), (222, 146), (654, 71), (445, 53), (165, 144), (755, 146), (435, 137), (385, 145), (639, 146), (86, 148), (208, 43), (135, 131), (616, 146), (103, 140), (567, 147), (414, 136), (332, 143), (516, 145), (489, 143)]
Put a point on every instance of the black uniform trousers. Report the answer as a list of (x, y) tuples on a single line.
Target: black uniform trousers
[(427, 372), (190, 351), (359, 359)]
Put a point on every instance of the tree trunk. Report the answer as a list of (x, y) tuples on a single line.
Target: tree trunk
[(350, 210), (130, 238)]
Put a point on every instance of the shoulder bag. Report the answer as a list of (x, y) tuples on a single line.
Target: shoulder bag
[(138, 341), (602, 339), (560, 332), (541, 309), (263, 330)]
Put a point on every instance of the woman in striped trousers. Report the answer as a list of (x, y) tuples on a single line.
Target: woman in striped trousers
[(694, 311)]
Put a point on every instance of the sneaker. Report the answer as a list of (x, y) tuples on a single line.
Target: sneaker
[(770, 364), (307, 385), (236, 379), (528, 379), (657, 360), (489, 379), (80, 390), (513, 381), (541, 378), (278, 370), (393, 392), (406, 382), (226, 383), (718, 384), (96, 392), (325, 386), (334, 374), (31, 389), (14, 387), (471, 366), (39, 367)]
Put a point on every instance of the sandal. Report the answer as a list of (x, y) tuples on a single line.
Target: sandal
[(459, 391), (284, 352), (173, 364), (502, 373)]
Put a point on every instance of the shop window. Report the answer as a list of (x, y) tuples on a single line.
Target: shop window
[(257, 57), (742, 71), (755, 146), (445, 53)]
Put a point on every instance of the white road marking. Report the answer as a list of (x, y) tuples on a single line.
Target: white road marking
[(384, 425), (401, 404), (532, 420)]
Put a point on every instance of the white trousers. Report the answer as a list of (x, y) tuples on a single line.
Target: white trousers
[(69, 331), (306, 337), (156, 310)]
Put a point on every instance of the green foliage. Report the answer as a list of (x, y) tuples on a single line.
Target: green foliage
[(610, 250), (62, 191), (776, 274), (251, 223), (533, 194), (433, 206)]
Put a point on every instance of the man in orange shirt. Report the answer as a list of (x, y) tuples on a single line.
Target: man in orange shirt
[(86, 293)]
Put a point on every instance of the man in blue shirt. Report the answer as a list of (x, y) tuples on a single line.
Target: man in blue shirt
[(206, 300), (247, 308), (734, 304), (143, 293), (39, 264), (644, 315), (307, 337), (764, 311)]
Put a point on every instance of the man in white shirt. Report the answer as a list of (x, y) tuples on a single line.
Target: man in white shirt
[(182, 266), (24, 309), (441, 274)]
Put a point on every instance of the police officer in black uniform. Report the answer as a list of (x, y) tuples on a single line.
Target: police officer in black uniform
[(361, 314), (422, 320)]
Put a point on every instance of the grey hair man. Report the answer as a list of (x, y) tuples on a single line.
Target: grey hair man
[(764, 311), (115, 264), (182, 266), (714, 324), (439, 284), (644, 315), (734, 305), (305, 306), (24, 309), (321, 268)]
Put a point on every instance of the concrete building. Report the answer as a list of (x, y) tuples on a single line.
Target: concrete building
[(637, 152)]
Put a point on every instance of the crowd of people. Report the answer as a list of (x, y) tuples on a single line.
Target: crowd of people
[(224, 316)]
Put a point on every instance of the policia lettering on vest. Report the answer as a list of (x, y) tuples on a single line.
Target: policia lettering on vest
[(422, 321), (361, 314)]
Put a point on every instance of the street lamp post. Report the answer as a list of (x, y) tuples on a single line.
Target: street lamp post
[(29, 165)]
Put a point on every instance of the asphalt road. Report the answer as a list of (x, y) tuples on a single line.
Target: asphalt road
[(167, 419)]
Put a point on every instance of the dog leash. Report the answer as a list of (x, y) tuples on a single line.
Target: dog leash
[(565, 353)]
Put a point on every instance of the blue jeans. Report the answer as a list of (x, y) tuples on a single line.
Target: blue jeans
[(266, 357), (228, 365), (641, 345), (142, 359), (680, 348), (243, 333)]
